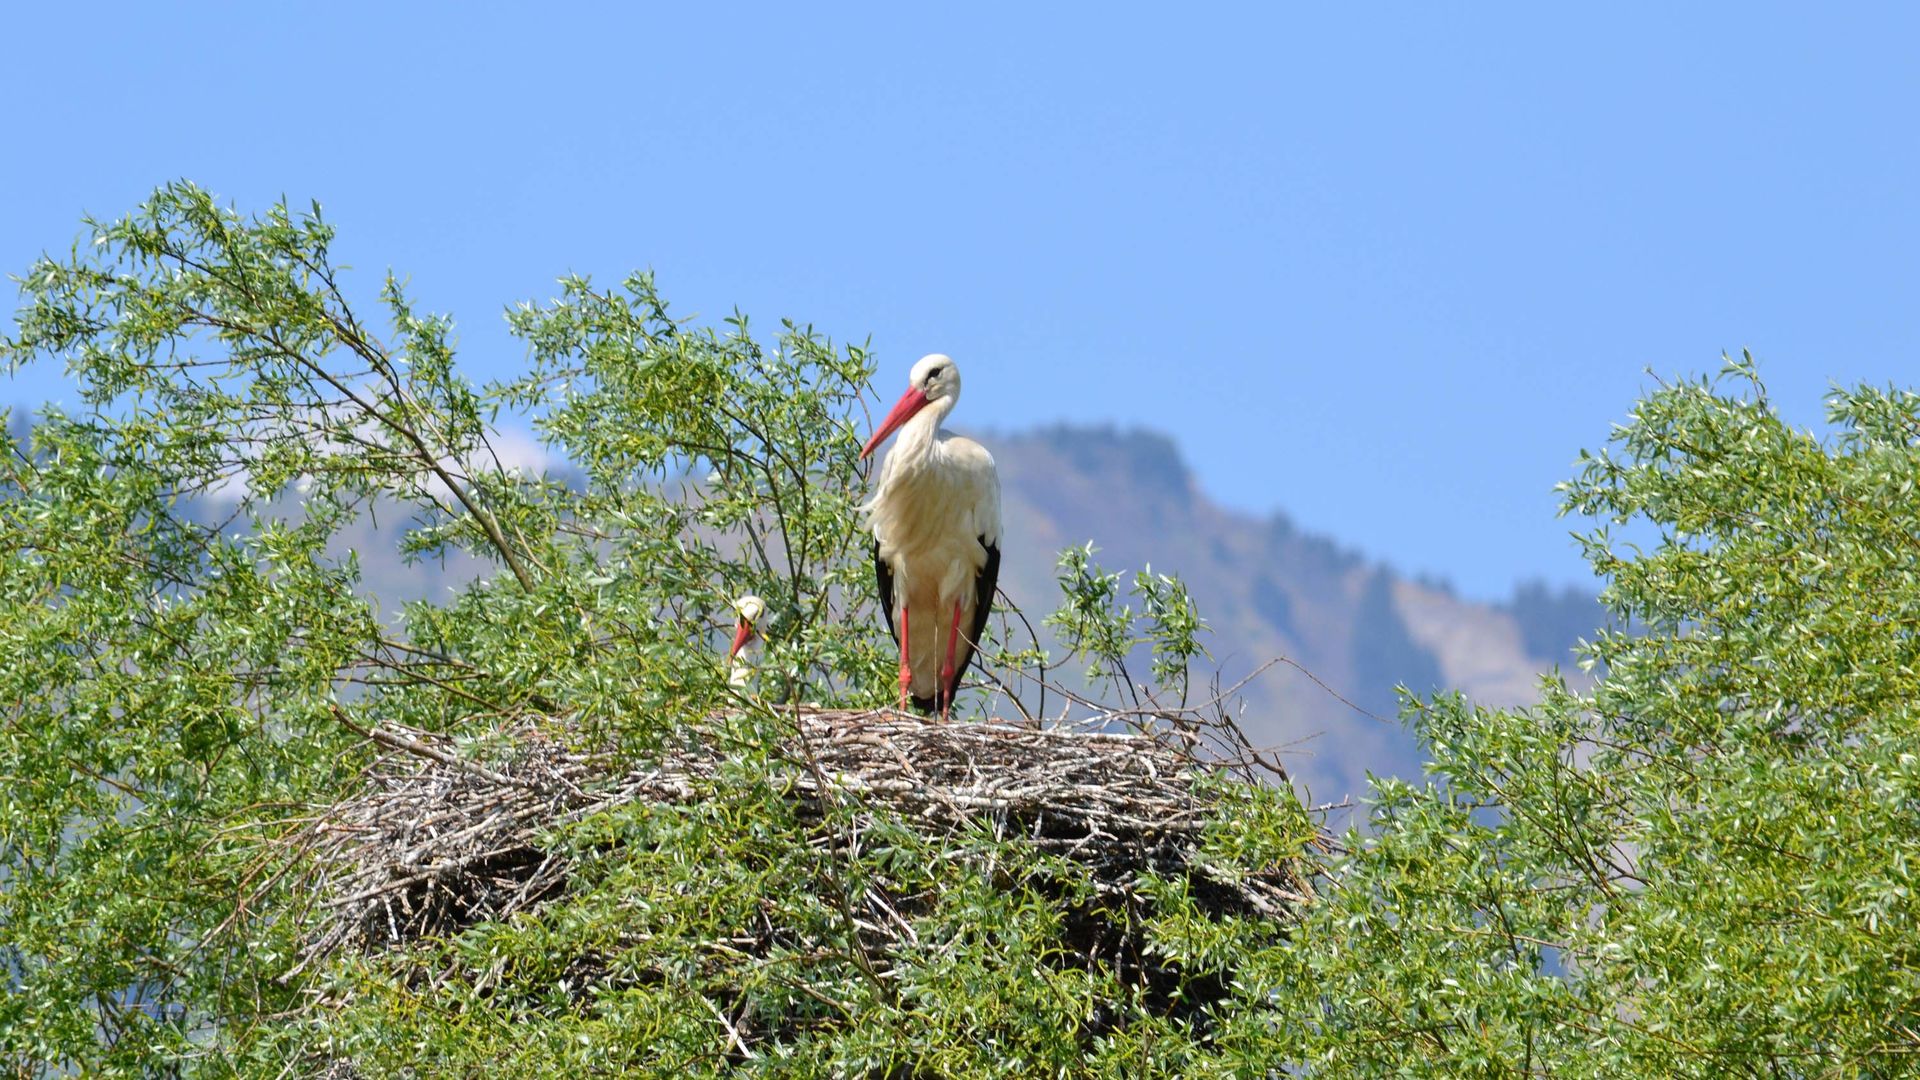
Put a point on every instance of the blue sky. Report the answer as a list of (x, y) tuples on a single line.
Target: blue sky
[(1386, 273)]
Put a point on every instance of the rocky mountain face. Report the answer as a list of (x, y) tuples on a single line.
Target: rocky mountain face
[(1269, 589), (1266, 588)]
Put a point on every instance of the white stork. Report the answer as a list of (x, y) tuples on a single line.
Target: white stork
[(936, 536), (747, 610)]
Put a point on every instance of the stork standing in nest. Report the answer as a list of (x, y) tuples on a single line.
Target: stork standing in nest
[(936, 537)]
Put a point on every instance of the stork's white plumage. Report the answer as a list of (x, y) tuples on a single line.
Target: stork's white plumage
[(747, 610), (936, 536)]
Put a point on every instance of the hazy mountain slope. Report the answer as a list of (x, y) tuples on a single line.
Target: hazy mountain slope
[(1268, 589)]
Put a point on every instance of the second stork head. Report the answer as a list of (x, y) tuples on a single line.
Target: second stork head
[(748, 610)]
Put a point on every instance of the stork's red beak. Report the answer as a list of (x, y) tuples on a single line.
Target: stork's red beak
[(742, 630), (910, 402)]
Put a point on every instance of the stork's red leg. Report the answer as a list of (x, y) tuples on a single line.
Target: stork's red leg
[(946, 671), (906, 669)]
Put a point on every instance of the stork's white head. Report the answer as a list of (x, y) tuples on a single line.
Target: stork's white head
[(748, 608), (935, 379), (936, 376)]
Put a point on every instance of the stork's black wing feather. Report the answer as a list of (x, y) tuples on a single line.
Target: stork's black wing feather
[(983, 586), (883, 578)]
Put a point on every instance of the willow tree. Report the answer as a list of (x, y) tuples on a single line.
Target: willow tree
[(192, 673), (1703, 866)]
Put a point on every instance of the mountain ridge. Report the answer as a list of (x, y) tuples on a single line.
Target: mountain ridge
[(1348, 628), (1270, 589)]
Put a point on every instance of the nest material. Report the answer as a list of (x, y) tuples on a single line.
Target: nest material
[(435, 842)]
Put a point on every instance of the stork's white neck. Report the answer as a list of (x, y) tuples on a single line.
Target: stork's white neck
[(744, 664), (913, 446)]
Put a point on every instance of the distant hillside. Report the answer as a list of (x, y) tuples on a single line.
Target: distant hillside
[(1266, 588), (1269, 589)]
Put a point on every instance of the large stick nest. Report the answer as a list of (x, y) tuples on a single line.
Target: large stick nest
[(436, 842)]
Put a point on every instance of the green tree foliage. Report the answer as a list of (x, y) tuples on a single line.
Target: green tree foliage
[(1706, 866), (178, 685), (1094, 624), (1701, 867), (189, 676)]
